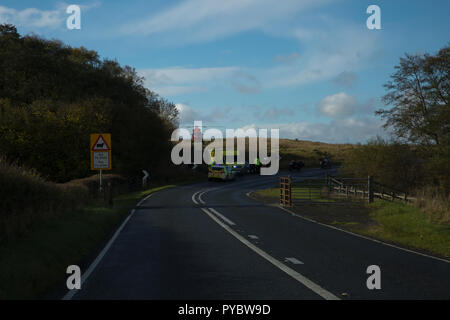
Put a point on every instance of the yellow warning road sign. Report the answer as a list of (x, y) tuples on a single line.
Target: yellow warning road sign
[(101, 151)]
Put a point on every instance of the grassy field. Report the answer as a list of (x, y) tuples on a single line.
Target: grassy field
[(307, 151), (394, 222), (310, 152), (33, 265)]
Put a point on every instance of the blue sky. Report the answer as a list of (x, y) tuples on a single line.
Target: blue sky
[(310, 68)]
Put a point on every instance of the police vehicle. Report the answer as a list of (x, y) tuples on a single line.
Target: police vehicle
[(220, 172)]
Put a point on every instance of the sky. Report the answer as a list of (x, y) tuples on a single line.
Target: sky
[(310, 68)]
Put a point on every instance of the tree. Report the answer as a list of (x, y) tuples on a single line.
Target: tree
[(8, 30), (52, 96), (419, 93)]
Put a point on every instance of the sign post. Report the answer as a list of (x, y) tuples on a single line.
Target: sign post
[(100, 153)]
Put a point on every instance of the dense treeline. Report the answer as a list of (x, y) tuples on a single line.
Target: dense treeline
[(418, 112), (52, 96)]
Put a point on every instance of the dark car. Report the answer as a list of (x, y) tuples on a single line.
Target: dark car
[(296, 165)]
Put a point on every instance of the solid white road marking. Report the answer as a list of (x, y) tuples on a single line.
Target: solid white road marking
[(361, 236), (251, 236), (200, 197), (294, 274), (97, 260), (69, 295), (231, 223), (293, 260), (140, 202), (193, 197)]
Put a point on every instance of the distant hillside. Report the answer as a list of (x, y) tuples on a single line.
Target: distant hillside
[(310, 152)]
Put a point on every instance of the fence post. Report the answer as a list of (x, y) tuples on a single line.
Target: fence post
[(290, 191), (370, 188), (281, 191), (285, 191), (110, 193)]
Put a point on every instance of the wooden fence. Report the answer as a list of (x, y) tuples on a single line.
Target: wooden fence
[(366, 188)]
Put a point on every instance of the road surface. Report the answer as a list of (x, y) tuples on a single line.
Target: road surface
[(211, 241)]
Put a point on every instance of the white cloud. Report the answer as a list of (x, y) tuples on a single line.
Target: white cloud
[(31, 17), (289, 59), (341, 105), (168, 91), (37, 18), (178, 80), (203, 20), (350, 130), (337, 105), (333, 49), (330, 49), (272, 113), (187, 114), (345, 79), (245, 83), (183, 75)]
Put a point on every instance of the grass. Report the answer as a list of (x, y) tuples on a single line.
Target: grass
[(310, 152), (409, 226), (34, 264)]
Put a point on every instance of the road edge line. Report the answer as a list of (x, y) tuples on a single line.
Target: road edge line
[(69, 295), (362, 236), (291, 272)]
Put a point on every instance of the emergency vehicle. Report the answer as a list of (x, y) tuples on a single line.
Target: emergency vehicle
[(220, 172)]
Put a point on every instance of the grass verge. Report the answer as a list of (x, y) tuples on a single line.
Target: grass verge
[(393, 222), (36, 263), (408, 225)]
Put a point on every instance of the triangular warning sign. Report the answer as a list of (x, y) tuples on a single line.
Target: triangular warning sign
[(100, 145)]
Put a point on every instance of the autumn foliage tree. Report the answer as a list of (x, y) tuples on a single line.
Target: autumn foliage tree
[(52, 96)]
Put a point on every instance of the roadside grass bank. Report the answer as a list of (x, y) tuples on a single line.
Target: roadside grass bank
[(34, 264), (397, 223)]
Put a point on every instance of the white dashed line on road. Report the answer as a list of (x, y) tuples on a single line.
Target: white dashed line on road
[(293, 260), (251, 236)]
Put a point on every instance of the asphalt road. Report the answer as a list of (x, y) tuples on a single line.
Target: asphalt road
[(211, 241)]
